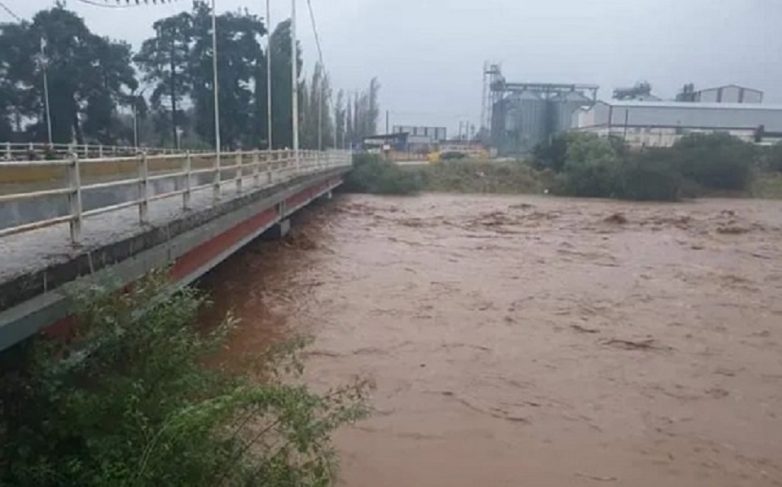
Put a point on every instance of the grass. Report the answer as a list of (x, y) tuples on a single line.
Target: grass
[(477, 176), (767, 185)]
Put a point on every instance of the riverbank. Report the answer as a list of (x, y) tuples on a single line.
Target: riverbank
[(534, 340)]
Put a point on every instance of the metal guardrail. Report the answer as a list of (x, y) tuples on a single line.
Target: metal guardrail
[(262, 168), (14, 151)]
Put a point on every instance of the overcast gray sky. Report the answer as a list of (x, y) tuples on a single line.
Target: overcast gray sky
[(428, 54)]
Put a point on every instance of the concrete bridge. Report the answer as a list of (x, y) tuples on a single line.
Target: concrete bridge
[(117, 218)]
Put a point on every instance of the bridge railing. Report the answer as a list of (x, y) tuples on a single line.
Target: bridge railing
[(172, 175), (19, 151)]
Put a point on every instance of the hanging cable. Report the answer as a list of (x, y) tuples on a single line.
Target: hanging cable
[(315, 31), (323, 75), (126, 4), (10, 12)]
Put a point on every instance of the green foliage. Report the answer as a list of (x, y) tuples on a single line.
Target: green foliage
[(649, 175), (591, 168), (371, 174), (605, 167), (773, 157), (88, 77), (552, 153), (128, 401), (715, 161), (468, 176)]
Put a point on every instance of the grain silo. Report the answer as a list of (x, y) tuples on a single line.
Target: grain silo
[(524, 114)]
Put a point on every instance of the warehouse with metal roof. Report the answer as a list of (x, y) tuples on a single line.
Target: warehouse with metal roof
[(660, 124)]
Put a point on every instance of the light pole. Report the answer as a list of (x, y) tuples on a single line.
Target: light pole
[(294, 85), (268, 77), (135, 115), (214, 82), (44, 63)]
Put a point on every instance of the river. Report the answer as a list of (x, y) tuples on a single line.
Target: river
[(520, 340)]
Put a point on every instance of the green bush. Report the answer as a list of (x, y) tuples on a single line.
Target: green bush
[(371, 174), (773, 157), (595, 178), (591, 168), (129, 401), (650, 175), (551, 154), (715, 161)]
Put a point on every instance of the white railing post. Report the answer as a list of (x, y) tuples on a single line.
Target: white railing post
[(270, 160), (100, 151), (86, 150), (74, 199), (188, 169), (8, 151), (143, 188), (256, 169), (238, 172), (216, 179)]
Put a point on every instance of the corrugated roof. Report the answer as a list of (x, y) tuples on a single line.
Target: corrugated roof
[(681, 104)]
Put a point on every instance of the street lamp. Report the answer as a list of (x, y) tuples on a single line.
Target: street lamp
[(136, 98), (43, 62), (268, 77), (214, 82), (295, 85)]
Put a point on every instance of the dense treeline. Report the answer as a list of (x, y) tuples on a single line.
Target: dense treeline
[(96, 84)]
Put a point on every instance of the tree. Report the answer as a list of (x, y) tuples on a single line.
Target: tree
[(282, 120), (339, 119), (164, 61), (88, 77), (238, 58)]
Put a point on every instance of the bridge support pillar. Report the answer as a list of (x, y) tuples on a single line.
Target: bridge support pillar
[(277, 231)]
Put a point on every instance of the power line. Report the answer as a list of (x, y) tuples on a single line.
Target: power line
[(127, 4), (10, 12), (323, 75), (315, 31)]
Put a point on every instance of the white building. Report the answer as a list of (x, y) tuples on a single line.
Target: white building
[(660, 124), (728, 94)]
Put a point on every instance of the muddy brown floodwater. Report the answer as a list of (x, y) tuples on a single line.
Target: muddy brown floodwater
[(532, 341)]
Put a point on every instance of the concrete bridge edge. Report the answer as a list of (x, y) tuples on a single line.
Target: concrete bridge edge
[(189, 255)]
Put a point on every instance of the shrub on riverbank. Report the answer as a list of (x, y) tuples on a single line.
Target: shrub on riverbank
[(372, 174), (128, 401), (714, 161), (593, 166)]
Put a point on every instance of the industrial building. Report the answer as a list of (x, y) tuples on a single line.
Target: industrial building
[(660, 124), (422, 135), (728, 94), (521, 115)]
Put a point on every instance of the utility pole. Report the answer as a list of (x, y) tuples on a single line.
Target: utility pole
[(44, 63), (268, 77), (135, 122), (320, 109), (215, 83), (387, 117), (294, 85)]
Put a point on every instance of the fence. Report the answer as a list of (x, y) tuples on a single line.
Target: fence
[(255, 169), (12, 151)]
